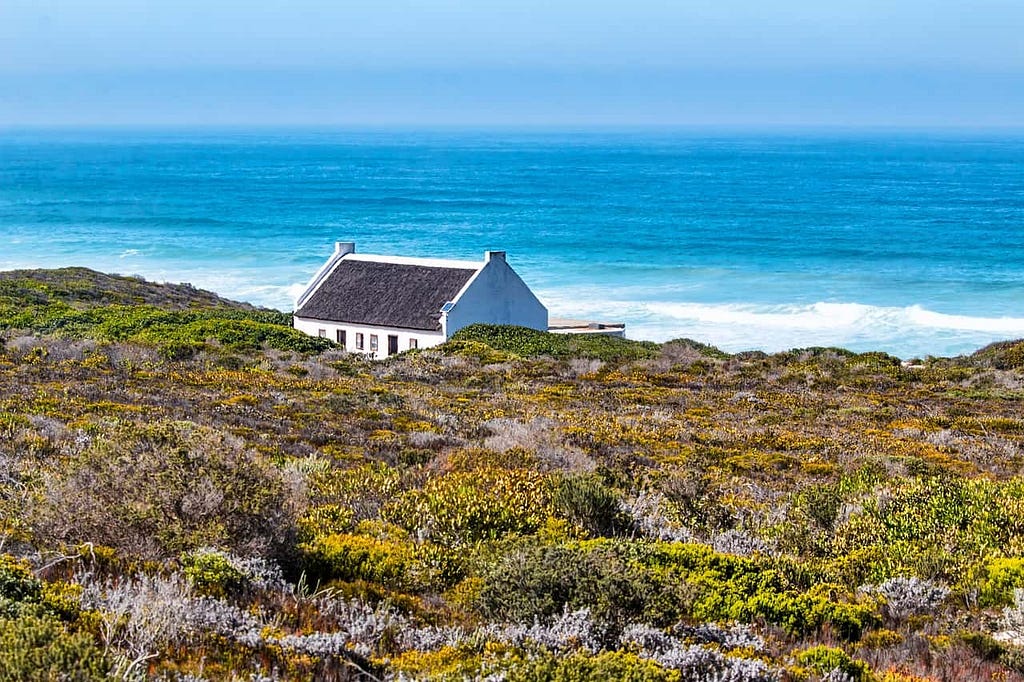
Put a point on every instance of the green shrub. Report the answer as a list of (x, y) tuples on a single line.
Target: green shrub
[(17, 584), (983, 645), (586, 502), (696, 498), (469, 506), (825, 659), (359, 557), (608, 666), (476, 350), (936, 527), (706, 350), (543, 580), (662, 583), (1002, 577), (177, 333), (211, 573), (348, 495), (727, 587), (38, 648), (526, 342)]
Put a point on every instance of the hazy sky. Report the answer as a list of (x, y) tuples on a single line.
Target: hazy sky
[(486, 62)]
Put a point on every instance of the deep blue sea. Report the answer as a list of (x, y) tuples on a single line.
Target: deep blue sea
[(908, 243)]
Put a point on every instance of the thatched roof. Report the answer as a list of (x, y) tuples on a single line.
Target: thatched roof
[(385, 294)]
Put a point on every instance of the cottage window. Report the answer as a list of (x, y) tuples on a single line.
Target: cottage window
[(341, 338), (373, 343), (323, 333), (413, 344), (359, 341)]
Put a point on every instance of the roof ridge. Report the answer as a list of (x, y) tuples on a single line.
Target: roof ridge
[(412, 260)]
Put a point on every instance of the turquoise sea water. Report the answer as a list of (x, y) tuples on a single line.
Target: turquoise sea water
[(908, 243)]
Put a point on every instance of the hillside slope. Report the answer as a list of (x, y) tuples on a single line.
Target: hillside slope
[(190, 490), (82, 288)]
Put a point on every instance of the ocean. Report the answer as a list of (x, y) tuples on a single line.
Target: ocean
[(909, 243)]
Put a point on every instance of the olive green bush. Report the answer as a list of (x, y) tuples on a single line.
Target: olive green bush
[(468, 506), (17, 584), (211, 573), (38, 648), (825, 659), (580, 667), (586, 502), (178, 333), (543, 581), (351, 557)]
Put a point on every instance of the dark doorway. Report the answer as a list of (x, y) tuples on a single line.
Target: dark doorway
[(392, 344)]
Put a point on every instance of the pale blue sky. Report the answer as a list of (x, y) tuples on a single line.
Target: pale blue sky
[(559, 62)]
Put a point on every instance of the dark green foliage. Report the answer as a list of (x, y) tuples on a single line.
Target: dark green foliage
[(983, 645), (541, 581), (989, 649), (17, 584), (38, 648), (586, 502), (179, 333), (526, 342)]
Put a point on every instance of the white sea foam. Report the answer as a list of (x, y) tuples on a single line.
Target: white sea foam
[(995, 325), (829, 317), (904, 331)]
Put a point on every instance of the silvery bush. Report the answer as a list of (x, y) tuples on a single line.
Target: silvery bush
[(906, 597)]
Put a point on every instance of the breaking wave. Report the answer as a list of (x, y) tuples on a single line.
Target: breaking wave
[(904, 331)]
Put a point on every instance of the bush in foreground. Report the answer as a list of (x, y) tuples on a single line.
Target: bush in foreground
[(160, 489)]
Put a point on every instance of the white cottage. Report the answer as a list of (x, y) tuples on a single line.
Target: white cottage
[(381, 305)]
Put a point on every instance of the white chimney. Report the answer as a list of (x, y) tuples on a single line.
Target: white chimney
[(344, 248)]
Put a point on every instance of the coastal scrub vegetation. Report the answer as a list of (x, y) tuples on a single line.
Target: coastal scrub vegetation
[(191, 490)]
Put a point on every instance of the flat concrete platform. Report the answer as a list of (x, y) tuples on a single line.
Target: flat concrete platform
[(565, 325)]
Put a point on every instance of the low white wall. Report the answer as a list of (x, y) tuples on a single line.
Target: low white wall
[(424, 339)]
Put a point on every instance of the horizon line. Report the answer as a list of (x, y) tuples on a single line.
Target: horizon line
[(534, 127)]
